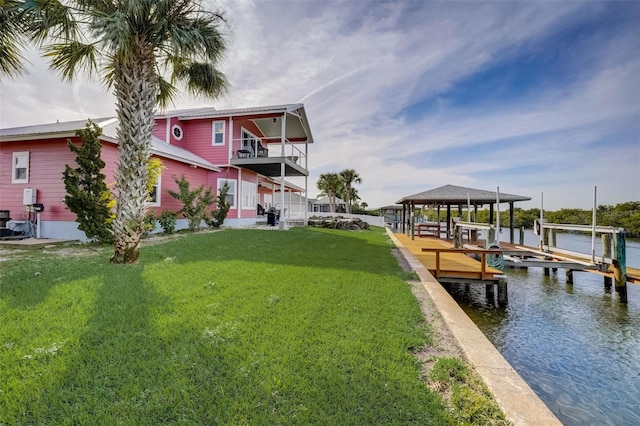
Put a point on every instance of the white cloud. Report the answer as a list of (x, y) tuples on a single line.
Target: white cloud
[(358, 66)]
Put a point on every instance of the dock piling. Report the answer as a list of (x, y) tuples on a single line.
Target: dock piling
[(569, 275)]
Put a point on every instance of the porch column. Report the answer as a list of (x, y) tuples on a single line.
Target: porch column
[(282, 169), (306, 179), (239, 193)]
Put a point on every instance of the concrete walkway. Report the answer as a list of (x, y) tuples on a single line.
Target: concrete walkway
[(518, 401)]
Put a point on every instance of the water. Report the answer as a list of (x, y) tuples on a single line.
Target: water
[(575, 345)]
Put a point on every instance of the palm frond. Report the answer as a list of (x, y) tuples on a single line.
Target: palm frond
[(68, 58), (202, 79), (49, 18), (12, 41), (166, 92)]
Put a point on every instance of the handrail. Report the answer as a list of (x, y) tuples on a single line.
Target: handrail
[(483, 253), (585, 228)]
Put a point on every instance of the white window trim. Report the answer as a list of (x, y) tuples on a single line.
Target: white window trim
[(173, 128), (213, 132), (249, 195), (14, 159), (158, 200), (221, 182)]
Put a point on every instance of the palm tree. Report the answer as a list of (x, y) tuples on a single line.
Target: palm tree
[(331, 185), (133, 45), (349, 177)]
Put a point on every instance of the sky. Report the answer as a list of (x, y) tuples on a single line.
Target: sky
[(539, 99)]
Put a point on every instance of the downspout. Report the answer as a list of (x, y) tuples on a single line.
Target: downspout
[(230, 139)]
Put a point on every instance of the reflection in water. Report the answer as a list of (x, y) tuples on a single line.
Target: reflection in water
[(576, 345)]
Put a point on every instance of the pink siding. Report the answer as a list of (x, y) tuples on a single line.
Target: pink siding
[(46, 164), (175, 169), (160, 128), (198, 137)]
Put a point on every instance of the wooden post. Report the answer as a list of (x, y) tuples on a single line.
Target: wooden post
[(412, 213), (546, 272), (606, 246), (491, 294), (448, 220), (569, 275), (491, 214), (502, 292), (522, 235), (511, 220), (620, 267), (491, 236), (608, 282)]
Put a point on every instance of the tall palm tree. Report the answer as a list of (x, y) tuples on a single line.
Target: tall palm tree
[(133, 45), (331, 185), (349, 177)]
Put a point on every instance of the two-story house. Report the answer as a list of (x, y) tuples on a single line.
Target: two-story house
[(254, 150)]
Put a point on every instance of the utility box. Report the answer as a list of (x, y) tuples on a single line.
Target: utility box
[(29, 196)]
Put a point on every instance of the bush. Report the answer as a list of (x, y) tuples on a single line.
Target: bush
[(194, 203), (220, 214), (149, 224), (87, 193), (168, 221)]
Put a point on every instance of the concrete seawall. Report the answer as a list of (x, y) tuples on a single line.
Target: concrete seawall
[(518, 401)]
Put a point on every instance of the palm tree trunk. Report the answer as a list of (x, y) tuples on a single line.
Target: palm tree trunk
[(135, 100)]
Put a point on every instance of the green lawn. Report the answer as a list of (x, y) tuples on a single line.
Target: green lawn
[(233, 327)]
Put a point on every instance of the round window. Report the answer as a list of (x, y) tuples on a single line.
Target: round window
[(177, 131)]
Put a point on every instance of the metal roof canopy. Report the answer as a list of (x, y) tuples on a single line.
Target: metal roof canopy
[(449, 195)]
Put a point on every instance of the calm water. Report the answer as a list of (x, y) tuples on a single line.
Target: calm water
[(576, 345)]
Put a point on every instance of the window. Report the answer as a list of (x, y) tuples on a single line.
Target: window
[(154, 195), (218, 133), (20, 167), (177, 132), (249, 191), (231, 195)]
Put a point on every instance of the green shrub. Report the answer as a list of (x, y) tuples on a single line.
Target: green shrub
[(168, 220), (194, 203), (149, 224), (220, 214)]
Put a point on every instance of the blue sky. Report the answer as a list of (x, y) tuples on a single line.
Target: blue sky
[(532, 97)]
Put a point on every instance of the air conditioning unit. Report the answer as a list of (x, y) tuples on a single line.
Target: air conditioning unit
[(29, 196)]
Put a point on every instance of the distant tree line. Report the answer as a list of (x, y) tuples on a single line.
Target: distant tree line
[(623, 215)]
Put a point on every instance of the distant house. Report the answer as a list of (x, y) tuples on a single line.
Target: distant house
[(252, 149), (321, 205)]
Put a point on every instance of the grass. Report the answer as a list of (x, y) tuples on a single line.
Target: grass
[(234, 327)]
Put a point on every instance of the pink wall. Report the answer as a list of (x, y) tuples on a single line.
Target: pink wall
[(47, 159), (175, 169)]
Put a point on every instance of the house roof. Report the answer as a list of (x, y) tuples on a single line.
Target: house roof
[(451, 194), (109, 133), (325, 200), (265, 117)]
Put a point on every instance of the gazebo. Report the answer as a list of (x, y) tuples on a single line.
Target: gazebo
[(451, 195)]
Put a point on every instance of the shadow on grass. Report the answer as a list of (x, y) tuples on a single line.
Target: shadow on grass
[(157, 349)]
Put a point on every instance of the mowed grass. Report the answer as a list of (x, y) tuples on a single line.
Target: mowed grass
[(233, 327)]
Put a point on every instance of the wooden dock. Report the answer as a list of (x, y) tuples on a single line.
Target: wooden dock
[(448, 264)]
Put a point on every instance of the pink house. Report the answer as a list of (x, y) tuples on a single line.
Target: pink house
[(254, 150)]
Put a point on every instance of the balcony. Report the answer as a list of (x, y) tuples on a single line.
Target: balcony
[(255, 157)]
